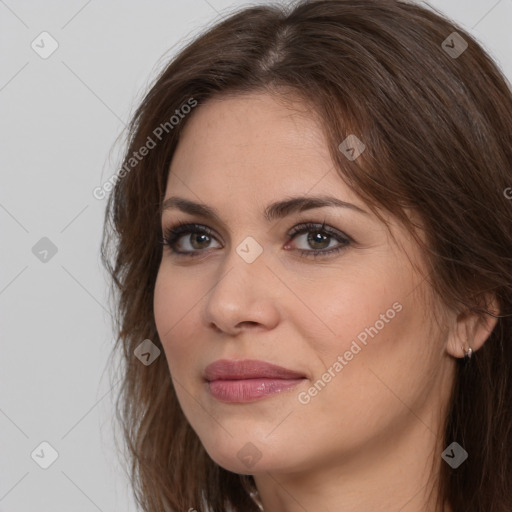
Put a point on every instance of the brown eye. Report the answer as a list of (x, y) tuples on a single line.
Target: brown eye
[(188, 239), (322, 239)]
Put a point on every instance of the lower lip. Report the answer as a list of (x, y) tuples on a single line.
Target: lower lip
[(249, 390)]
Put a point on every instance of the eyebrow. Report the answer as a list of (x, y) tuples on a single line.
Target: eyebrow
[(274, 211)]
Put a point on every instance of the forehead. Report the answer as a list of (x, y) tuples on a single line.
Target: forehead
[(254, 143)]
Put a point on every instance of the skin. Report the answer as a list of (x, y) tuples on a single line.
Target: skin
[(371, 438)]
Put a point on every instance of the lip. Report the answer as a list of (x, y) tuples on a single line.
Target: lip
[(248, 380), (227, 369)]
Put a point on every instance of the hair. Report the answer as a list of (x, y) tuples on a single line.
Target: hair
[(438, 135)]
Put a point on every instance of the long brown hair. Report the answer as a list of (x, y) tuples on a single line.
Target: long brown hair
[(437, 126)]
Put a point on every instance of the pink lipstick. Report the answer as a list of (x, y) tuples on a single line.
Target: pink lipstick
[(248, 380)]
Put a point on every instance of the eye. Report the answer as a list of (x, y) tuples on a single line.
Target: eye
[(199, 238), (319, 237)]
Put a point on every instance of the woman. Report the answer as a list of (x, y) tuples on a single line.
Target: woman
[(312, 252)]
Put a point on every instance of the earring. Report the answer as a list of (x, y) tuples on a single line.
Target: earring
[(256, 498), (467, 354)]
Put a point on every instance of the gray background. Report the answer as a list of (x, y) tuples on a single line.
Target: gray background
[(59, 119)]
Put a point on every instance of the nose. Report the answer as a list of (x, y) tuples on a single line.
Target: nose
[(244, 296)]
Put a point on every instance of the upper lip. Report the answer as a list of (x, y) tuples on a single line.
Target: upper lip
[(226, 369)]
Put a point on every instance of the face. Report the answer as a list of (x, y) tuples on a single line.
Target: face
[(324, 292)]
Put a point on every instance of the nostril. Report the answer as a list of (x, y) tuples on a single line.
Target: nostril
[(248, 323)]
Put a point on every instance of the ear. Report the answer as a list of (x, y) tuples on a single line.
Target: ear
[(471, 330)]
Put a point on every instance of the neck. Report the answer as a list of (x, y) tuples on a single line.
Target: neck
[(397, 473)]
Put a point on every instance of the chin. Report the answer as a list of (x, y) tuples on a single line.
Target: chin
[(250, 458)]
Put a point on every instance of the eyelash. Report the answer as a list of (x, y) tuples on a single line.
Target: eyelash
[(174, 233)]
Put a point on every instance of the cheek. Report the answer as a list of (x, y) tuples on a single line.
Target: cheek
[(364, 324), (164, 305), (173, 305), (382, 350), (175, 298), (355, 307)]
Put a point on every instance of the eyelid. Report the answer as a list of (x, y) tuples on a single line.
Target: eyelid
[(304, 227), (343, 240), (301, 227), (324, 223)]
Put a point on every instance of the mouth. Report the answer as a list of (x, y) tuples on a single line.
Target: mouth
[(248, 380)]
